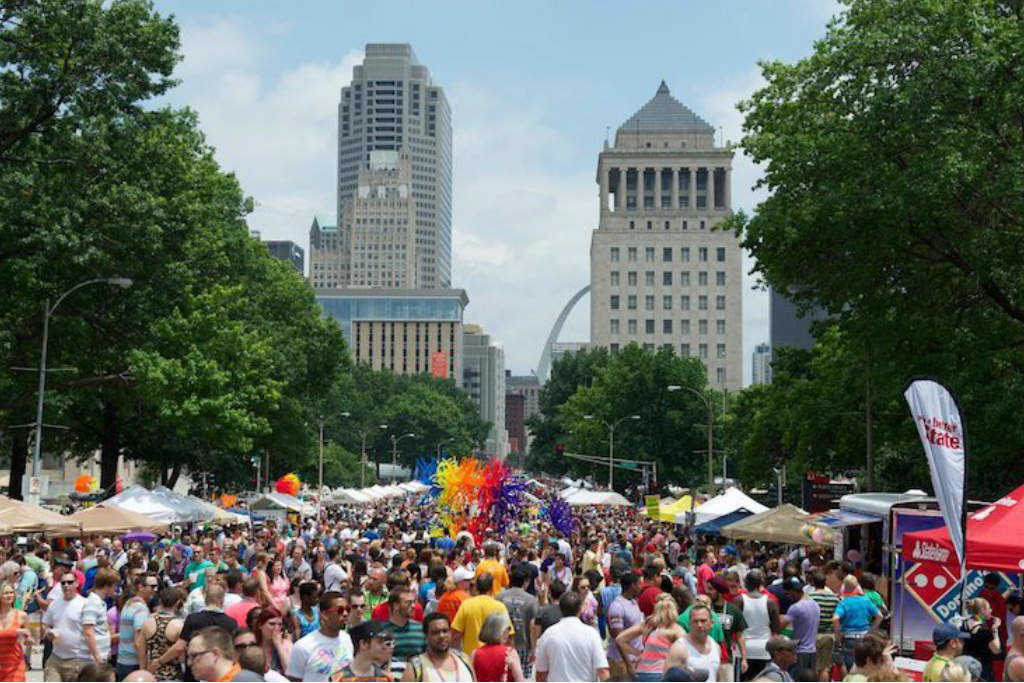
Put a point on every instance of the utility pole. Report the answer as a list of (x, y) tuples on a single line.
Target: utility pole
[(611, 444), (320, 477)]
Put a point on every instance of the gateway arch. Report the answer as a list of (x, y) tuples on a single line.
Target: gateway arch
[(544, 365)]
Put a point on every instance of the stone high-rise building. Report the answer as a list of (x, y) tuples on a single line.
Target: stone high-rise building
[(394, 179), (761, 365), (483, 378), (661, 275)]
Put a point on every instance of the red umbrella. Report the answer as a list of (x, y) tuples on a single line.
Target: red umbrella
[(994, 538)]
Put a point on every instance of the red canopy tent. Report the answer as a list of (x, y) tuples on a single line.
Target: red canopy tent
[(995, 538)]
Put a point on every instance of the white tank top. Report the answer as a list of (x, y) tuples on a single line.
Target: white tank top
[(708, 662), (759, 627)]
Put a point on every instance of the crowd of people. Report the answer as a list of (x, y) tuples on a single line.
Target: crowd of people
[(380, 594)]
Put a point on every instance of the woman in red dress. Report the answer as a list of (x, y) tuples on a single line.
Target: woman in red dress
[(496, 660), (14, 634)]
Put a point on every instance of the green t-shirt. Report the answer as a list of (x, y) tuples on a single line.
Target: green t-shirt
[(717, 633), (933, 669), (195, 572), (876, 599)]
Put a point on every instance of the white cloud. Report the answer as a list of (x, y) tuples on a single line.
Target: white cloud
[(279, 133)]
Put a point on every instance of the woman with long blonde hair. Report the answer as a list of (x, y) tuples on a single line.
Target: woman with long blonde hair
[(984, 643), (659, 631), (14, 634)]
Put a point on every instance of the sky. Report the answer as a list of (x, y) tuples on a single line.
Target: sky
[(533, 88)]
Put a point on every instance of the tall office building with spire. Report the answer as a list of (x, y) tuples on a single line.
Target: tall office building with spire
[(660, 274), (394, 180)]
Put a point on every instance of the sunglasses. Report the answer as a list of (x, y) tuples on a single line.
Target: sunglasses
[(68, 583)]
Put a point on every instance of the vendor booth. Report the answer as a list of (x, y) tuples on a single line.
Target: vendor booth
[(19, 517), (730, 501), (714, 526), (110, 519), (784, 524), (279, 506), (583, 497)]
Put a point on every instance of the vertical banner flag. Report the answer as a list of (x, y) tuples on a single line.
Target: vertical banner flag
[(938, 423)]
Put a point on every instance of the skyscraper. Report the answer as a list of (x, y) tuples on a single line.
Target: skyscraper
[(761, 364), (661, 275), (394, 177)]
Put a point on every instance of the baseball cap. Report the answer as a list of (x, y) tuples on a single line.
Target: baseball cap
[(369, 629), (719, 584), (776, 643), (462, 574), (943, 633)]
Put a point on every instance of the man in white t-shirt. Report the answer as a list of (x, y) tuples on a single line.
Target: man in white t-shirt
[(63, 628), (334, 575), (324, 652), (570, 650), (95, 627)]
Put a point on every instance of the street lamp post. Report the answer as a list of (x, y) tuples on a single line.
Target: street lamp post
[(709, 404), (611, 443), (49, 310), (394, 452), (362, 456), (437, 449)]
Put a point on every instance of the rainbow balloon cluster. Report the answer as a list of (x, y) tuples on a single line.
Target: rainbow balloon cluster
[(474, 496), (288, 484)]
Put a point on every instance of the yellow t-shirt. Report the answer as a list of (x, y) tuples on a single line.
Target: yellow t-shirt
[(497, 570), (933, 669), (470, 619)]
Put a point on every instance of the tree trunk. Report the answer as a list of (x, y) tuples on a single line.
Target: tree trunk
[(172, 477), (110, 447), (19, 459)]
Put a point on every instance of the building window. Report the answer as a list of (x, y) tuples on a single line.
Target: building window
[(614, 255), (613, 325), (666, 302), (720, 350), (720, 278), (720, 375), (666, 326), (649, 254), (649, 278), (631, 254), (613, 302), (631, 302), (702, 254), (649, 326), (648, 225), (684, 222), (648, 347), (719, 327), (684, 350), (720, 254), (702, 327), (632, 225), (702, 303), (702, 225), (702, 278), (666, 254), (631, 326), (649, 302), (684, 303), (614, 348), (684, 254), (720, 302), (702, 350), (631, 278), (667, 223), (684, 278), (614, 278), (684, 327)]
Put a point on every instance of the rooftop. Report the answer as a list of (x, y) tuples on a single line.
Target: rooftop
[(664, 113)]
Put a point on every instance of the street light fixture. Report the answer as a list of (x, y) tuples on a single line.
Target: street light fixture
[(437, 449), (611, 443), (394, 451), (49, 310), (709, 404)]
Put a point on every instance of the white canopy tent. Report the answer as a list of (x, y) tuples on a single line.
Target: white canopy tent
[(596, 498), (282, 501), (730, 501), (349, 497), (159, 506)]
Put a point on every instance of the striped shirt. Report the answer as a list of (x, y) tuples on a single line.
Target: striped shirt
[(827, 601), (652, 659), (409, 642)]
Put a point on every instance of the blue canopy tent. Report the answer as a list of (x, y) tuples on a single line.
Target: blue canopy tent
[(714, 526)]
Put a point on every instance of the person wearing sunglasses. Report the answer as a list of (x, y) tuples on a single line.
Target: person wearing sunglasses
[(321, 654), (131, 648), (63, 628), (374, 644), (211, 656)]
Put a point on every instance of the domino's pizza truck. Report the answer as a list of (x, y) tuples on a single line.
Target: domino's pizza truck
[(920, 583)]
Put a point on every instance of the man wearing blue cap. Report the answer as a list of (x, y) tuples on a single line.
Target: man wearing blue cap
[(949, 643)]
